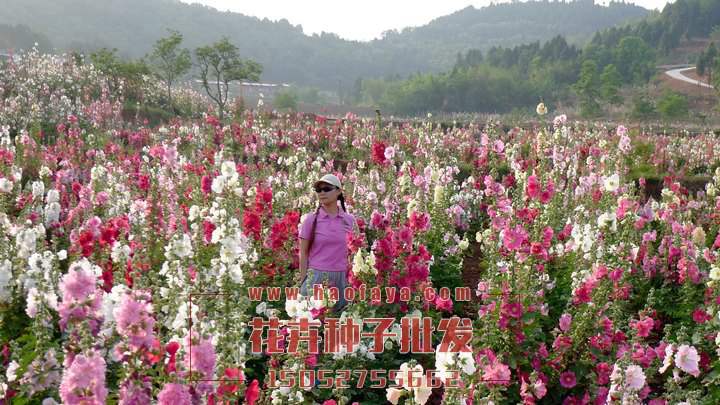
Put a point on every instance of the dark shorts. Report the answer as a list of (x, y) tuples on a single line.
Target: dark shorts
[(331, 279)]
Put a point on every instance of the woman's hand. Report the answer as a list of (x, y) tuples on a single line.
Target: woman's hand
[(300, 276)]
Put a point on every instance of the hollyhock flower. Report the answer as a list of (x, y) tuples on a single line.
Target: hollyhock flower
[(565, 321), (533, 187), (514, 238), (378, 153), (687, 359), (634, 377), (134, 392), (567, 379), (84, 381), (643, 326), (229, 383), (389, 152), (251, 224), (200, 355), (206, 184), (419, 221), (252, 393), (496, 373), (612, 183), (134, 321), (174, 394), (393, 395)]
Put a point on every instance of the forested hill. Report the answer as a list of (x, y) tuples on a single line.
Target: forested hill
[(288, 55)]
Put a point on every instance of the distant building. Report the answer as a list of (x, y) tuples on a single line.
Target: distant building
[(254, 91)]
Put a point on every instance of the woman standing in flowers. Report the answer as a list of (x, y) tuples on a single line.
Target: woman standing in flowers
[(323, 246)]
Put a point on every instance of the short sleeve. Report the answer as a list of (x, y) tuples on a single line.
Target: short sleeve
[(306, 227)]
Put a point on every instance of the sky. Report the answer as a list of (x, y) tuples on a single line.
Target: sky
[(361, 20)]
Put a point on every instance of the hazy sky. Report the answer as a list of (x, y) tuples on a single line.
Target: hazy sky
[(358, 19)]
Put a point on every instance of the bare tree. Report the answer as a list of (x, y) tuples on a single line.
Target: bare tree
[(219, 64)]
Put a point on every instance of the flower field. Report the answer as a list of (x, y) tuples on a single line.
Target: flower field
[(127, 253)]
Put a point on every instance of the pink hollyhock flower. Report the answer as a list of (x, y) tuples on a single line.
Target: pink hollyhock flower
[(565, 321), (200, 355), (134, 321), (77, 284), (443, 304), (514, 238), (687, 359), (567, 379), (84, 381), (643, 326), (174, 394), (496, 373), (330, 402), (135, 392)]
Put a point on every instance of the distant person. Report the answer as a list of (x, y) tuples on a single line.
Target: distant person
[(323, 246)]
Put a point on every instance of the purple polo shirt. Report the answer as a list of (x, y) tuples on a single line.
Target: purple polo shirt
[(329, 250)]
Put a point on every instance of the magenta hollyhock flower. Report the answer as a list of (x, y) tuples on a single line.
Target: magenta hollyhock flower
[(83, 382), (419, 221), (567, 379), (206, 184), (533, 187), (174, 394)]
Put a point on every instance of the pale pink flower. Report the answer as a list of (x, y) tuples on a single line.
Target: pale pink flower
[(687, 360), (634, 377)]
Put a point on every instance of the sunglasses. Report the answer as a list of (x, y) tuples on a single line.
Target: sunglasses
[(326, 189)]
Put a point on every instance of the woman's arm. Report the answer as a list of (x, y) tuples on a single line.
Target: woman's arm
[(304, 243)]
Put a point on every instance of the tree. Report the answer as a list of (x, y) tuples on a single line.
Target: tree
[(128, 72), (587, 89), (170, 62), (286, 100), (673, 106), (634, 59), (610, 84), (219, 64), (643, 107)]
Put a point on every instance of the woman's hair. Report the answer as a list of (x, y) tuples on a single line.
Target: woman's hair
[(341, 197)]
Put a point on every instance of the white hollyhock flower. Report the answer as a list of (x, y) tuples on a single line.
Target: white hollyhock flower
[(612, 183)]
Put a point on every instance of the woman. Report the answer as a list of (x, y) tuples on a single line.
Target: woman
[(323, 246)]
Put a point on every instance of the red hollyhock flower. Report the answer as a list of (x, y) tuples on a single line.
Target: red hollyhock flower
[(251, 224), (230, 381), (208, 228), (252, 393), (378, 153)]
